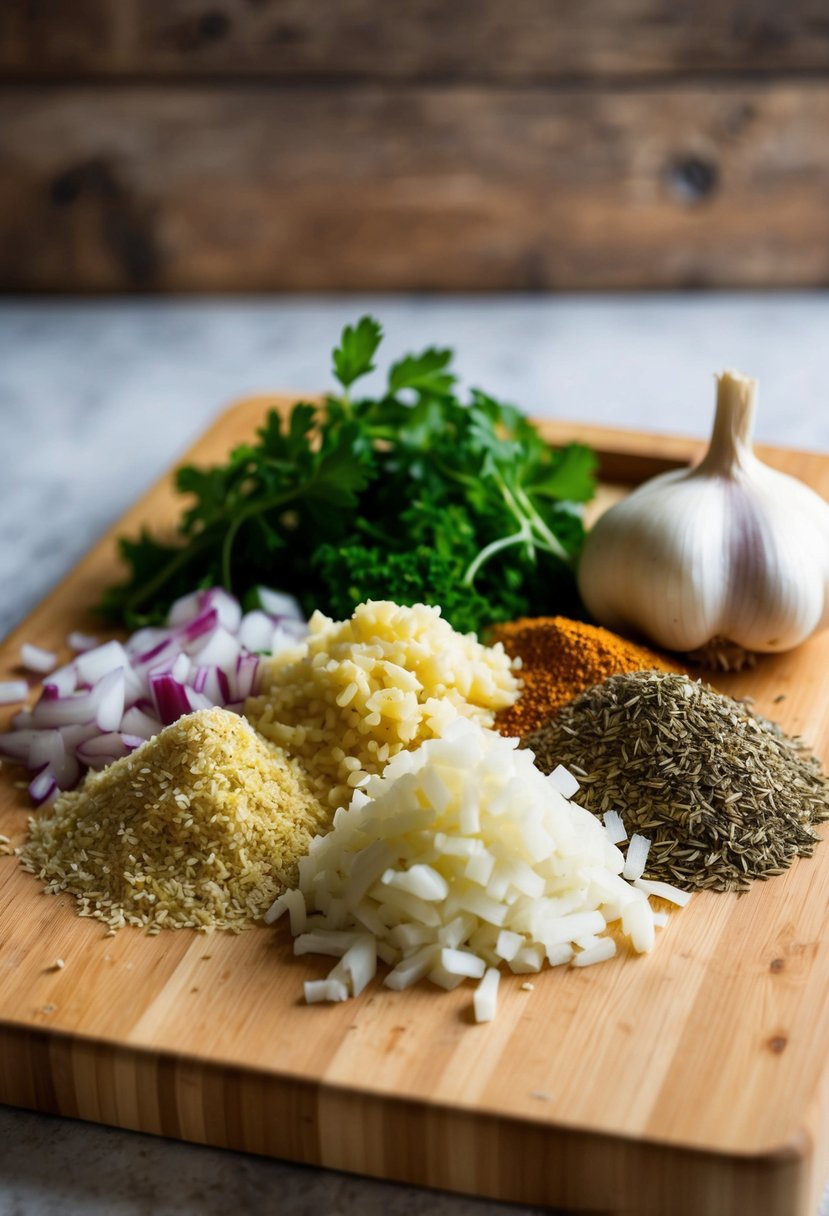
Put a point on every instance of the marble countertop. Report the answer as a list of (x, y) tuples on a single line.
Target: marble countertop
[(98, 398)]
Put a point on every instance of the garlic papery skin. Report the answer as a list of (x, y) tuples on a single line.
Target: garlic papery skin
[(730, 550)]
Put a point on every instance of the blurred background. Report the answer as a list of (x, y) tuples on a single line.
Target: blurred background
[(597, 203), (360, 145)]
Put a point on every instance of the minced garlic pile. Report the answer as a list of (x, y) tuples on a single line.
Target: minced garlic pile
[(201, 826), (362, 690)]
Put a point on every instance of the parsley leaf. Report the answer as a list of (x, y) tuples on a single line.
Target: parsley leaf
[(426, 373), (358, 346)]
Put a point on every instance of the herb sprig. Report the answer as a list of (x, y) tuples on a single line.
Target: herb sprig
[(410, 495)]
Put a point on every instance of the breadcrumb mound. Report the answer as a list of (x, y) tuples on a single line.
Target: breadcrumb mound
[(202, 826)]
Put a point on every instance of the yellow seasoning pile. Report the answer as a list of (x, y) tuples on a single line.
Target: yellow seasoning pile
[(201, 826)]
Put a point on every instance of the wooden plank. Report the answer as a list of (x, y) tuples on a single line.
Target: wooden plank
[(255, 188), (527, 41), (688, 1081)]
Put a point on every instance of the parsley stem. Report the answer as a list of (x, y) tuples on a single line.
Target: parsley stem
[(553, 543), (181, 558), (491, 549), (249, 512)]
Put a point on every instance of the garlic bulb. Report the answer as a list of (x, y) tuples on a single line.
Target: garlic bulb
[(730, 551)]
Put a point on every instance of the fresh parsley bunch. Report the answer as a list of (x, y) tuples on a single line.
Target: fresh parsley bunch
[(411, 496)]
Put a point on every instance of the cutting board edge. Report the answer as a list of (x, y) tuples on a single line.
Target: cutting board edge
[(102, 1081)]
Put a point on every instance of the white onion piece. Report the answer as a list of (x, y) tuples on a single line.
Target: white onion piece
[(614, 826), (637, 856), (35, 658), (485, 1000), (12, 691), (563, 780), (96, 707)]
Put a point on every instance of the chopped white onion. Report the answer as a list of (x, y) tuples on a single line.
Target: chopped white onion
[(485, 1000), (563, 780), (614, 826), (325, 990), (637, 857), (463, 857), (663, 890), (35, 658)]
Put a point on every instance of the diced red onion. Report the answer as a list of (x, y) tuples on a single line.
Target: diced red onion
[(243, 679), (170, 697), (43, 788), (35, 658), (226, 605), (185, 608), (138, 723), (282, 638), (219, 650), (110, 709), (12, 691), (278, 604), (103, 750), (61, 682), (79, 642), (256, 631), (181, 669), (95, 664), (16, 744), (113, 696)]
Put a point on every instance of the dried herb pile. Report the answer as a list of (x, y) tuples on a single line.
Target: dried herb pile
[(724, 795)]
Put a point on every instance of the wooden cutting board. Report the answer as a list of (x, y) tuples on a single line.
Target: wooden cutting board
[(690, 1081)]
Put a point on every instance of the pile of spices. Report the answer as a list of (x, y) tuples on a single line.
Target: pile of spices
[(201, 826), (561, 659), (723, 795)]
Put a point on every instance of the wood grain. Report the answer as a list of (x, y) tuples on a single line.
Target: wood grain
[(690, 1081), (527, 41), (254, 188)]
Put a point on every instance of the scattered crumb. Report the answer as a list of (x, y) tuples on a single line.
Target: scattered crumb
[(6, 848), (528, 987), (48, 1008), (206, 957), (58, 964), (541, 1095), (781, 696)]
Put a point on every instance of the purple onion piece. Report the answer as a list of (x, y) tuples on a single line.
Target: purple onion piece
[(43, 787), (170, 697)]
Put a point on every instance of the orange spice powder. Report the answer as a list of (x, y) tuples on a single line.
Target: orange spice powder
[(560, 660)]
